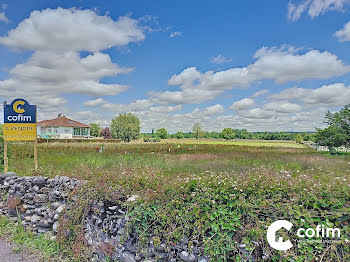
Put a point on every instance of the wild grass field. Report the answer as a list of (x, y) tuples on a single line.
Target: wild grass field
[(221, 195)]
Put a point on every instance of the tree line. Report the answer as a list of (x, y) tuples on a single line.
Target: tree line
[(127, 128), (335, 135)]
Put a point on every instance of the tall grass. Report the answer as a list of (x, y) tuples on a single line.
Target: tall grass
[(219, 195)]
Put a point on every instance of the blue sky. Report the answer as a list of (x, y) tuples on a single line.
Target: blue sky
[(259, 65)]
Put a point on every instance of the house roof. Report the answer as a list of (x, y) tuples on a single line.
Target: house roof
[(61, 121)]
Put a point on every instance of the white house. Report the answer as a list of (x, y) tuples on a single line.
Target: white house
[(62, 127)]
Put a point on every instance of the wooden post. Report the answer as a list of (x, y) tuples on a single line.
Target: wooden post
[(6, 161), (36, 155), (36, 144)]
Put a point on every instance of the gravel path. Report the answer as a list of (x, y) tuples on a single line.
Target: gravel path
[(7, 253)]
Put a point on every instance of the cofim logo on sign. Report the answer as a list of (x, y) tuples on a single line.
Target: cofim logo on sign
[(320, 231), (19, 121)]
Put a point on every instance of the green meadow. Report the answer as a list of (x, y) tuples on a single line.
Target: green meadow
[(222, 195)]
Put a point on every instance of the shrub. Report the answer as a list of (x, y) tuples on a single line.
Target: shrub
[(179, 135), (228, 133), (106, 133), (162, 133)]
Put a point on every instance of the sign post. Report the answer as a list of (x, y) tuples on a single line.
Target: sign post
[(19, 125)]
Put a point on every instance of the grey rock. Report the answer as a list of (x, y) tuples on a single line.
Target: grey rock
[(60, 208), (55, 205), (55, 227), (186, 257), (45, 223), (203, 259), (39, 181), (43, 230), (3, 176), (35, 218), (128, 257)]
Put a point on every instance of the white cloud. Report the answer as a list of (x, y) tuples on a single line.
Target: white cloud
[(164, 109), (174, 34), (187, 96), (343, 34), (136, 106), (334, 95), (257, 113), (95, 102), (282, 107), (279, 64), (220, 59), (3, 17), (314, 8), (213, 110), (72, 30), (243, 104), (56, 68), (260, 93), (290, 93), (56, 74)]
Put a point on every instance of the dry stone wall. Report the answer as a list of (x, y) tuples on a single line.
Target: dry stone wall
[(39, 201)]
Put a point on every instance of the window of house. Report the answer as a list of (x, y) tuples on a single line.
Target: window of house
[(49, 130), (80, 131), (66, 131)]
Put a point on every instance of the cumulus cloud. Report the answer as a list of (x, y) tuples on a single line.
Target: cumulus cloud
[(314, 8), (56, 74), (213, 110), (334, 95), (260, 93), (174, 34), (220, 59), (343, 34), (136, 106), (56, 67), (278, 64), (164, 109), (243, 104), (95, 102), (72, 30), (282, 107)]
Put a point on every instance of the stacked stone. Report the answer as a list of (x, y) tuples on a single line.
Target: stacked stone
[(40, 200)]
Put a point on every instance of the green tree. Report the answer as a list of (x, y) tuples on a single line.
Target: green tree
[(179, 135), (197, 130), (338, 131), (228, 133), (126, 127), (162, 133), (341, 120), (95, 129), (299, 139), (332, 137)]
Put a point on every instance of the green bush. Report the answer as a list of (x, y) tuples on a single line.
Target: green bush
[(151, 139)]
